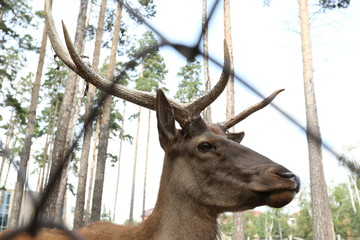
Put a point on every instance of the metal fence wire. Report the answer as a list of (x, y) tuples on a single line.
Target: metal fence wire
[(189, 52)]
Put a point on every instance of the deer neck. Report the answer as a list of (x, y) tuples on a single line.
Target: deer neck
[(176, 216)]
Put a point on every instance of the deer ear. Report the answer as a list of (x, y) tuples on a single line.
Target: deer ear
[(165, 120), (236, 137)]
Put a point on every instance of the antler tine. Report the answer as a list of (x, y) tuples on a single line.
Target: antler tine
[(141, 98), (201, 103), (247, 112)]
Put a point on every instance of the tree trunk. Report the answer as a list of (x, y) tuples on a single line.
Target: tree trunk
[(101, 161), (92, 169), (39, 187), (207, 110), (46, 156), (59, 155), (59, 206), (88, 127), (323, 228), (119, 162), (131, 215), (25, 153), (104, 131), (9, 136), (70, 143), (230, 112), (230, 86), (239, 224), (146, 166)]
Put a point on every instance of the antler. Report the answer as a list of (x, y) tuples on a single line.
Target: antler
[(247, 112), (72, 59)]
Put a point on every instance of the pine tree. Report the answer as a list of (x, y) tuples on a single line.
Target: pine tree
[(323, 227), (60, 150), (104, 125), (207, 80), (189, 87), (25, 153), (88, 127)]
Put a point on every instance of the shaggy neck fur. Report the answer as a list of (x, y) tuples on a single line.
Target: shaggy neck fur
[(176, 216)]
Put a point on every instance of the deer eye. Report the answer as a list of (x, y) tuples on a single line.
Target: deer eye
[(205, 146)]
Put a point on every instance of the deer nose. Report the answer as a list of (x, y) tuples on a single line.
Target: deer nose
[(291, 176), (286, 174)]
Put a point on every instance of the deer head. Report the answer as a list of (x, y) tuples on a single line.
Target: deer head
[(206, 170), (208, 164)]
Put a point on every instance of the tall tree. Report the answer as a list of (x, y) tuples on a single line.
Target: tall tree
[(121, 137), (230, 108), (323, 228), (146, 166), (133, 182), (92, 174), (60, 151), (104, 125), (152, 75), (207, 80), (51, 96), (25, 153), (88, 126), (15, 126)]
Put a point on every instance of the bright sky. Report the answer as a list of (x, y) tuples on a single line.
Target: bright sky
[(267, 54)]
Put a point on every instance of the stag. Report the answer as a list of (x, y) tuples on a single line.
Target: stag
[(206, 171)]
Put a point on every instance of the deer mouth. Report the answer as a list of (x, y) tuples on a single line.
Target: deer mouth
[(292, 179), (282, 194), (277, 199)]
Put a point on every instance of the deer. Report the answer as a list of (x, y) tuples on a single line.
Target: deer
[(206, 170)]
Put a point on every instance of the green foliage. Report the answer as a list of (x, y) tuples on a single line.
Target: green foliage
[(113, 159), (127, 222), (18, 94), (332, 4), (271, 223), (128, 138), (106, 215), (345, 210), (189, 87), (115, 119), (39, 158), (303, 224), (55, 79), (12, 62), (153, 68), (227, 224), (40, 14), (17, 14), (20, 112), (133, 116), (16, 18)]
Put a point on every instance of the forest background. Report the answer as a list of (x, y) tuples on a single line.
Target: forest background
[(267, 53)]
